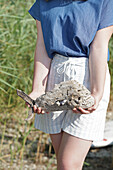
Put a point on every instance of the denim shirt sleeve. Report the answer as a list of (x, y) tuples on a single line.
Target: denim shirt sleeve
[(35, 10), (106, 18)]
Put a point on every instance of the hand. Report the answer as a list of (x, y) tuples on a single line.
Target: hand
[(89, 110), (34, 95)]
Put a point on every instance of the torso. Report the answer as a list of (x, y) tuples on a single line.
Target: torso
[(69, 26)]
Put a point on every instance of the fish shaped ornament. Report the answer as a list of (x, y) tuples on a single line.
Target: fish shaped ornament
[(64, 96)]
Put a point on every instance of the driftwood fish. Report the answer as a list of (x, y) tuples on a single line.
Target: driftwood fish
[(64, 96)]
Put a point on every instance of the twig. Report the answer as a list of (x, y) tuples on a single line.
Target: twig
[(3, 136), (5, 156), (38, 148)]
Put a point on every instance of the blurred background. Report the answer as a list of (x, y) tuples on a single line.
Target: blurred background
[(22, 146)]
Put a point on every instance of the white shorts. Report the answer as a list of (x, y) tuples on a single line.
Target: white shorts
[(85, 126)]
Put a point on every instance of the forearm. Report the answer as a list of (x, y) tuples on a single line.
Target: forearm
[(98, 61), (41, 69), (98, 65)]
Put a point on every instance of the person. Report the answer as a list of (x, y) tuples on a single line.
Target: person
[(72, 44)]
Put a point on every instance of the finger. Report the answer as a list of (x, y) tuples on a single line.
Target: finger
[(43, 112), (75, 110), (39, 110), (35, 108), (83, 111), (93, 108)]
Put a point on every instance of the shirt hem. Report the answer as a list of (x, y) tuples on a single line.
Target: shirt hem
[(34, 16), (105, 26)]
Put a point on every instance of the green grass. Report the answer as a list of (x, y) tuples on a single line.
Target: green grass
[(17, 45), (111, 63)]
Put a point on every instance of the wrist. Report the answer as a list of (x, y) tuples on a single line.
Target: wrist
[(97, 95)]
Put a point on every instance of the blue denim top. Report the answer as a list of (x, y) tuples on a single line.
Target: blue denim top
[(69, 26)]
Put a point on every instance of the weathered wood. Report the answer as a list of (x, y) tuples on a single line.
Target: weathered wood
[(65, 96)]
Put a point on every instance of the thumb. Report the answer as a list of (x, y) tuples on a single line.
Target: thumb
[(94, 107)]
